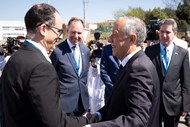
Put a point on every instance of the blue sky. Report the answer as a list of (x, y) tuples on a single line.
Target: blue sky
[(96, 10)]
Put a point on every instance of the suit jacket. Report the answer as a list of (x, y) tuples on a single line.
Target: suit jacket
[(30, 92), (175, 85), (109, 67), (135, 98), (72, 86)]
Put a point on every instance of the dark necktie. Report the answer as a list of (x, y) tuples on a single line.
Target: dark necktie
[(120, 68)]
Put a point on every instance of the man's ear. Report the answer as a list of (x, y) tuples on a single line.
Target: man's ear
[(43, 29), (175, 33), (133, 38)]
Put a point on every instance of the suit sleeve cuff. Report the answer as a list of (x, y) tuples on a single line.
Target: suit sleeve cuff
[(99, 116)]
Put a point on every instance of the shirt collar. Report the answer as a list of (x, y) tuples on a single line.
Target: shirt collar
[(41, 48), (70, 44), (128, 57), (169, 47)]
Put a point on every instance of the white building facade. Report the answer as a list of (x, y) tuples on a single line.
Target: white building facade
[(11, 29)]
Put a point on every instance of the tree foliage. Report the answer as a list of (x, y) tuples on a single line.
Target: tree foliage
[(176, 9), (136, 12), (172, 4), (183, 11), (119, 13), (156, 12)]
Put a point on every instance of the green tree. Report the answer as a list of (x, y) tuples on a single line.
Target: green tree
[(171, 13), (136, 12), (172, 4), (119, 13), (156, 12), (183, 11), (182, 26)]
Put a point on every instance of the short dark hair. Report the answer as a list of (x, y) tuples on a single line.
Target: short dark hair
[(39, 14)]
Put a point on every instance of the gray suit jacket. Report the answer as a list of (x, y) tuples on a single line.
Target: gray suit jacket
[(30, 92), (72, 86), (135, 98), (176, 84)]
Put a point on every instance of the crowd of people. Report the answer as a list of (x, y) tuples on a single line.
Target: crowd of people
[(51, 82)]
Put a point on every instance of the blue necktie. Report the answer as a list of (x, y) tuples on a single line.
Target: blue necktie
[(166, 59), (76, 55), (166, 56)]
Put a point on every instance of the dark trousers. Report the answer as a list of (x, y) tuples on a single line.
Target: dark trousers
[(169, 121)]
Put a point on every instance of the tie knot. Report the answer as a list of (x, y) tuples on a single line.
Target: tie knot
[(121, 67), (166, 49)]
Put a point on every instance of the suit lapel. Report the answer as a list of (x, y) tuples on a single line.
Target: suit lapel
[(69, 55), (125, 71), (175, 57), (82, 57), (158, 61)]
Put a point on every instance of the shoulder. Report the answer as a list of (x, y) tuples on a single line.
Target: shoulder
[(84, 47), (107, 46), (152, 48), (61, 46), (180, 49)]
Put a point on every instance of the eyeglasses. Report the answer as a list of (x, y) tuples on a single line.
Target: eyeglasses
[(56, 40), (60, 31)]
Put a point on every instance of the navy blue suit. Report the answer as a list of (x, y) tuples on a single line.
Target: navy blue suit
[(73, 88), (109, 68)]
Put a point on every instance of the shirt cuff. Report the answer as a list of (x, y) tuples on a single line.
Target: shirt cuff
[(99, 116)]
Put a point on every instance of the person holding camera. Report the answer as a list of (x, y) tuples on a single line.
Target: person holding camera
[(95, 85)]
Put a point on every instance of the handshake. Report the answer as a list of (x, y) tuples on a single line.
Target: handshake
[(93, 118)]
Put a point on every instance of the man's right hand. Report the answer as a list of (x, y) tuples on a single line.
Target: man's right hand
[(92, 117)]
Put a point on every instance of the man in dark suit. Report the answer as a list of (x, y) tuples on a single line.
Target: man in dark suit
[(73, 71), (172, 66), (29, 83), (109, 67), (134, 101)]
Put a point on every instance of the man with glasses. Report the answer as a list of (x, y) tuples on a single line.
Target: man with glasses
[(71, 61), (29, 83)]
